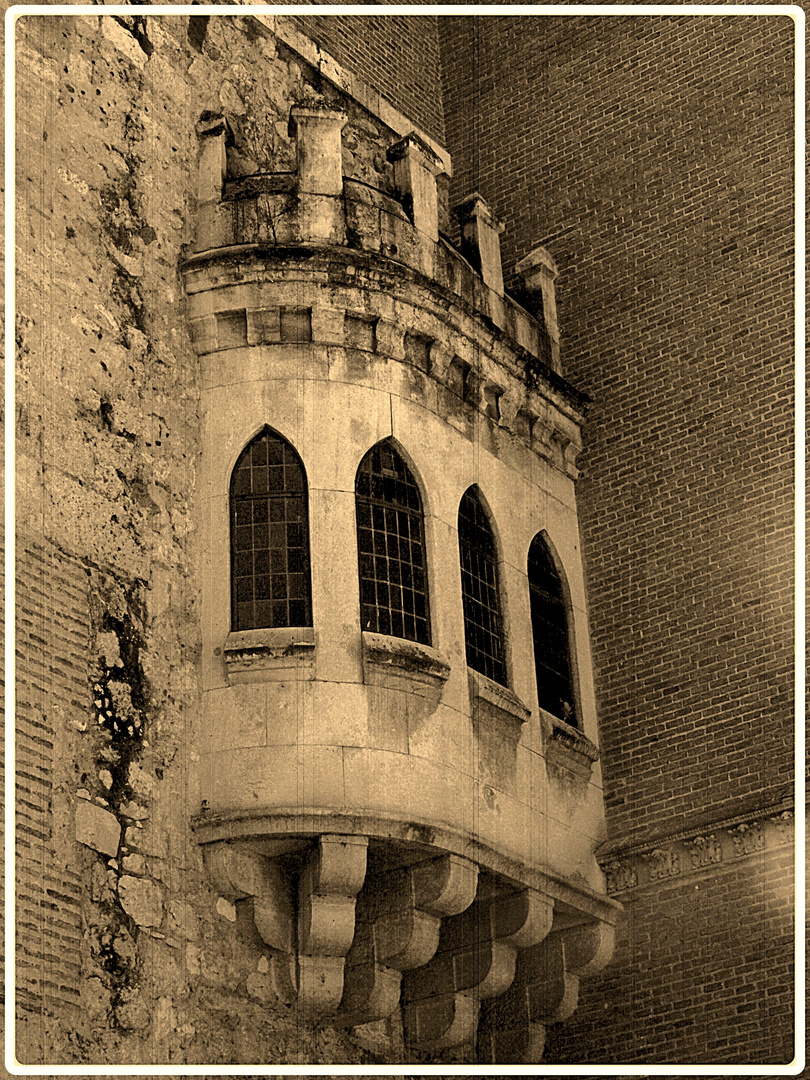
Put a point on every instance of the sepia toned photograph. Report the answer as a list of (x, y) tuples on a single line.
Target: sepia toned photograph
[(402, 582)]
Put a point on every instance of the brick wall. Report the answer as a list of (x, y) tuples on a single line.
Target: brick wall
[(397, 55), (653, 157), (52, 639), (703, 974)]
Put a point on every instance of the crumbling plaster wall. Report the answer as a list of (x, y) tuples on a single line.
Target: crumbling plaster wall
[(140, 961)]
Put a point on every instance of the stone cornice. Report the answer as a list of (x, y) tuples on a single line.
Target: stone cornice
[(525, 365), (261, 827), (696, 849)]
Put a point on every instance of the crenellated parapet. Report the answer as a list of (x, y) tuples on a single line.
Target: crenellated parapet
[(369, 238)]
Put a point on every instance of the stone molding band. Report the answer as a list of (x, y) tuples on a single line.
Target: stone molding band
[(693, 851)]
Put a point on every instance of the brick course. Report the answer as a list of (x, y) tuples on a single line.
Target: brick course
[(52, 639)]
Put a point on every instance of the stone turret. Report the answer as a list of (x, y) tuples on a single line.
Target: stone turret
[(410, 819)]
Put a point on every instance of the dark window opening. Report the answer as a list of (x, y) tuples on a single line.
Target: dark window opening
[(391, 547), (552, 649), (480, 590), (270, 578)]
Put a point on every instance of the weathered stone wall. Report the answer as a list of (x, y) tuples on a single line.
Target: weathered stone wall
[(125, 953)]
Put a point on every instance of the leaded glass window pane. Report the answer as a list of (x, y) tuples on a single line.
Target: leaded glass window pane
[(270, 579), (552, 649), (391, 547), (480, 590)]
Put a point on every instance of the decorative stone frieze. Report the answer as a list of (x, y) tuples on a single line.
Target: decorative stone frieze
[(747, 837), (688, 853), (704, 850), (663, 863)]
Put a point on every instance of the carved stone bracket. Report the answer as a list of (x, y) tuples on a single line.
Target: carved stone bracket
[(417, 671), (309, 939), (475, 959), (567, 747), (545, 990), (398, 922), (492, 703)]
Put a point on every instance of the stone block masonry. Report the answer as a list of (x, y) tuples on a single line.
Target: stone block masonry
[(650, 159), (124, 951)]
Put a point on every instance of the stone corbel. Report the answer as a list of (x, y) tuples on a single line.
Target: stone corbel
[(415, 170), (398, 922), (308, 941), (545, 990), (476, 958), (481, 243), (270, 654), (567, 747), (399, 663)]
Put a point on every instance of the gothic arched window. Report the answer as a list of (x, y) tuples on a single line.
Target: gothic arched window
[(480, 591), (552, 647), (391, 547), (270, 579)]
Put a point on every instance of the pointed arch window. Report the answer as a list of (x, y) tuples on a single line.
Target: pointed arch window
[(550, 630), (480, 590), (391, 547), (270, 575)]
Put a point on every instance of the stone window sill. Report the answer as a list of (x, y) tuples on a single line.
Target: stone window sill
[(493, 703), (567, 747), (393, 661), (268, 655)]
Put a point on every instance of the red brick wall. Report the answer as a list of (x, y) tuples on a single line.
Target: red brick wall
[(52, 639), (703, 974), (652, 156), (398, 55)]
